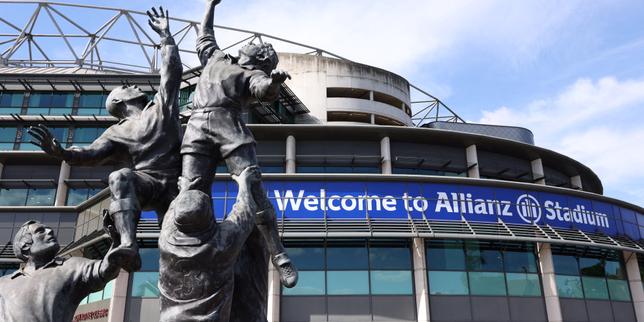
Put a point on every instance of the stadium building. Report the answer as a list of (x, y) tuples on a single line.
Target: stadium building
[(393, 207)]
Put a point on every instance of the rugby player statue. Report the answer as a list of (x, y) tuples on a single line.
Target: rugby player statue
[(147, 136), (48, 288)]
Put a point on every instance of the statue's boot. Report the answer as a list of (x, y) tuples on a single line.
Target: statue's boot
[(288, 272), (125, 224)]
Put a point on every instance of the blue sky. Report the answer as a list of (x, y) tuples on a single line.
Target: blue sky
[(571, 71)]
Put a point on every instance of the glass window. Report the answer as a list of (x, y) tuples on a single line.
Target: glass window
[(591, 267), (447, 255), (7, 138), (618, 290), (391, 283), (10, 103), (520, 284), (41, 197), (86, 135), (149, 259), (615, 270), (95, 297), (76, 196), (145, 284), (483, 257), (308, 283), (13, 197), (565, 264), (389, 258), (341, 258), (307, 257), (569, 286), (348, 282), (595, 288), (56, 103), (520, 262), (487, 283), (92, 104), (108, 290), (448, 283), (60, 133)]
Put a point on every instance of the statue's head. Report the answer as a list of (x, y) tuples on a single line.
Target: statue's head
[(262, 57), (123, 98), (193, 220), (35, 240)]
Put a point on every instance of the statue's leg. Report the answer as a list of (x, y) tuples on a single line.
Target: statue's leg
[(250, 294), (266, 220), (197, 172), (125, 210)]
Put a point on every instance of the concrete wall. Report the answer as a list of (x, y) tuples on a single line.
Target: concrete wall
[(312, 75)]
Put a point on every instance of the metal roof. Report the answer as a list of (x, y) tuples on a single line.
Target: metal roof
[(53, 35)]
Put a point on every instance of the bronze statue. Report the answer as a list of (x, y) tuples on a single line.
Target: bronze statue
[(147, 137), (198, 255), (216, 132), (48, 288)]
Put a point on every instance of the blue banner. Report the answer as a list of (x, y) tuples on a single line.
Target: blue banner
[(342, 200)]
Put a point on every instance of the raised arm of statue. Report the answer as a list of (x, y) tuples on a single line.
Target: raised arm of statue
[(171, 69), (234, 230), (206, 42), (101, 149), (267, 88)]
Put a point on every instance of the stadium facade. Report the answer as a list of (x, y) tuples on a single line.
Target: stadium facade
[(388, 216)]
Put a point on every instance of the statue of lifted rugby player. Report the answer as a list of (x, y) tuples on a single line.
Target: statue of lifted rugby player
[(147, 136), (215, 132)]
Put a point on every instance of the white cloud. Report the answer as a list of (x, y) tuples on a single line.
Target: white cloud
[(595, 122)]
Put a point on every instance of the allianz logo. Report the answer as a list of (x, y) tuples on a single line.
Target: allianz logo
[(527, 207)]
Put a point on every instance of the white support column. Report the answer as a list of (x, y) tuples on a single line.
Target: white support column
[(290, 154), (273, 304), (575, 182), (472, 161), (635, 283), (373, 119), (420, 280), (385, 155), (119, 297), (550, 293), (61, 190), (537, 172)]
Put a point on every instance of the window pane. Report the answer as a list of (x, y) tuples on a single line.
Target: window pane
[(619, 290), (109, 290), (483, 257), (75, 196), (347, 258), (348, 282), (389, 258), (391, 283), (145, 284), (41, 197), (448, 283), (487, 283), (13, 197), (448, 255), (149, 259), (308, 283), (7, 138), (95, 297), (520, 262), (565, 264), (615, 270), (569, 286), (307, 257), (595, 288), (520, 284), (591, 267)]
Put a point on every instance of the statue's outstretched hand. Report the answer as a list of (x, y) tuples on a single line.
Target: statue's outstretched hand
[(279, 76), (43, 138), (214, 2), (159, 21)]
